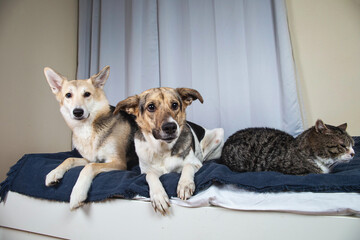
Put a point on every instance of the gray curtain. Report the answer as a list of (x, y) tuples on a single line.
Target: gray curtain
[(236, 53)]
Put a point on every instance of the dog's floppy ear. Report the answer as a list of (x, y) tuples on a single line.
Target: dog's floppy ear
[(54, 79), (129, 105), (188, 95), (100, 78)]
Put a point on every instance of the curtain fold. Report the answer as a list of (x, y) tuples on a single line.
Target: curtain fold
[(236, 53), (291, 110), (124, 35)]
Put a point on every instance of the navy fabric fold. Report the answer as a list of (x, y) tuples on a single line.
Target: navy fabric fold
[(27, 177)]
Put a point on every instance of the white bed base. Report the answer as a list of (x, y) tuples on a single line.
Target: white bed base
[(23, 217)]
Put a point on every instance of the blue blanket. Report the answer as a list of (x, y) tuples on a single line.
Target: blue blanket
[(27, 177)]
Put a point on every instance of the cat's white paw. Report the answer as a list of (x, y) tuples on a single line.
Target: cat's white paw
[(54, 177), (185, 188)]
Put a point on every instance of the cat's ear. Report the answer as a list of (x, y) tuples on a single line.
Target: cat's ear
[(320, 126), (343, 126)]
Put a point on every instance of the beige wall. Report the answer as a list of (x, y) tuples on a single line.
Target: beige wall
[(33, 34), (326, 41)]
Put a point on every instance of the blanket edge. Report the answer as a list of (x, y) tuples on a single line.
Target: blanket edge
[(11, 175)]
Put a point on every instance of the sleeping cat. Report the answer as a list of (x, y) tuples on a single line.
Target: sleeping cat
[(316, 150)]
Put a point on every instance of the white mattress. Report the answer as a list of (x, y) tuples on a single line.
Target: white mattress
[(119, 218)]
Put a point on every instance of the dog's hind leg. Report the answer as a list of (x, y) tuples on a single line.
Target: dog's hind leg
[(158, 196), (55, 175), (87, 174)]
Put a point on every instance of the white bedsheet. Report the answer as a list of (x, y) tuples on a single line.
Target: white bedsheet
[(232, 197)]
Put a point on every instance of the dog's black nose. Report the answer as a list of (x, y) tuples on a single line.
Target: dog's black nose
[(78, 112), (169, 127)]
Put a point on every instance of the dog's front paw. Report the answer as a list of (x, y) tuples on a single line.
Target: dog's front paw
[(77, 197), (53, 177), (160, 201), (185, 188)]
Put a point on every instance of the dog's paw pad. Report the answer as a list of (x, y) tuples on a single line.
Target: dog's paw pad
[(53, 183), (77, 198), (160, 202), (53, 178), (76, 201), (185, 189), (75, 205)]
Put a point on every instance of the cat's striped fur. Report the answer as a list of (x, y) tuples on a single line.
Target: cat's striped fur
[(316, 150)]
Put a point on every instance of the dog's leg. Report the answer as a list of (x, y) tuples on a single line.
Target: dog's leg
[(55, 175), (186, 185), (87, 174), (158, 196)]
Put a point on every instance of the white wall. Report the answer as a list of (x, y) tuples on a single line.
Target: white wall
[(33, 34), (326, 42)]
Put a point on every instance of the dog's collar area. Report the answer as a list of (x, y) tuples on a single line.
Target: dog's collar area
[(199, 131)]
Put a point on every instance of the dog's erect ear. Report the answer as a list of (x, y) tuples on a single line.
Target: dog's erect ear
[(54, 79), (129, 105), (188, 95), (100, 78)]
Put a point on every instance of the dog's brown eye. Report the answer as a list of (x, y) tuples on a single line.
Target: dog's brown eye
[(87, 94), (174, 106), (151, 107), (68, 95)]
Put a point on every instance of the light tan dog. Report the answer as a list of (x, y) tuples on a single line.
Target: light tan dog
[(165, 141), (103, 139)]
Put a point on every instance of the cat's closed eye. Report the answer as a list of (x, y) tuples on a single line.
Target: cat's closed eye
[(332, 146)]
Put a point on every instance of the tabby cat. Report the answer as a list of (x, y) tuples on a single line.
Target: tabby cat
[(316, 150)]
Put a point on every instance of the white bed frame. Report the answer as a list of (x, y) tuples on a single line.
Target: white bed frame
[(23, 217)]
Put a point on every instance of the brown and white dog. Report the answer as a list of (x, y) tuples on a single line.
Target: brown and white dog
[(165, 141), (103, 139)]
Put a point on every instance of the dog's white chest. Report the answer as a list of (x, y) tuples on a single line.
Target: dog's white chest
[(150, 158), (82, 139)]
